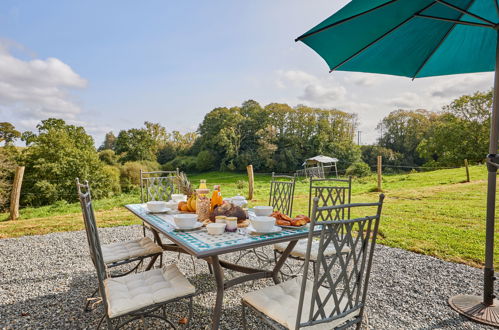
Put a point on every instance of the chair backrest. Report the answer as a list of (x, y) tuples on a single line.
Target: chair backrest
[(330, 192), (338, 291), (157, 185), (282, 191), (92, 235)]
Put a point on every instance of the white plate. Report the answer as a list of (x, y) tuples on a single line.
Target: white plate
[(253, 231), (196, 226), (165, 210)]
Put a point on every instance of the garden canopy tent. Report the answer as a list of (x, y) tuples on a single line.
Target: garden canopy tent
[(423, 38)]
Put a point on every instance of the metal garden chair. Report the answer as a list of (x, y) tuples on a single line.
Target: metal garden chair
[(282, 191), (329, 192), (132, 296), (335, 297), (122, 253), (156, 186)]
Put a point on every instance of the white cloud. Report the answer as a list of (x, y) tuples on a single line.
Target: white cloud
[(315, 91), (455, 86), (36, 89), (407, 100), (319, 94), (365, 79)]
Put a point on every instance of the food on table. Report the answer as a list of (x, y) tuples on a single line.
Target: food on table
[(298, 222), (302, 216), (202, 204), (284, 220), (184, 186), (231, 224), (182, 206), (216, 198), (202, 184), (279, 215), (280, 222), (229, 210)]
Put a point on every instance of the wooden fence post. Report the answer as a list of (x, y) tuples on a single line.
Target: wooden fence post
[(379, 170), (467, 170), (251, 181), (16, 193)]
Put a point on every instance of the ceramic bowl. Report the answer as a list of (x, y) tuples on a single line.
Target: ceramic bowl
[(263, 224), (185, 221), (215, 228), (263, 211), (156, 206)]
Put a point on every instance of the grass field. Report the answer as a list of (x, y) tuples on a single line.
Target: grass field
[(433, 213)]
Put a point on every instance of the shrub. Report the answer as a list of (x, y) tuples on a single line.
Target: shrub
[(205, 161), (183, 163), (130, 173), (358, 169), (56, 155), (7, 166), (108, 157)]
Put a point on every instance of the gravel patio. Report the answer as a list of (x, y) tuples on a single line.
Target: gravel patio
[(44, 281)]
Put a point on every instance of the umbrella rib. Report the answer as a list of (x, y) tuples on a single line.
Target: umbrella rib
[(456, 21), (343, 20), (464, 11), (380, 37), (440, 43)]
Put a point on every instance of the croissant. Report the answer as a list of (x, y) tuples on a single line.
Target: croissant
[(283, 222), (298, 222)]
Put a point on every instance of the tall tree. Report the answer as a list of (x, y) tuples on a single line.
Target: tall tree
[(135, 145), (57, 154), (460, 132), (8, 133), (109, 142), (403, 130)]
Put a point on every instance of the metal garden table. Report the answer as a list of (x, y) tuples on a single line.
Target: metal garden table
[(203, 246)]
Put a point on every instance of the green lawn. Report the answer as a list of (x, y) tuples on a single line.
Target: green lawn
[(433, 213)]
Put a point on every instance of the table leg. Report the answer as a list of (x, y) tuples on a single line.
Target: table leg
[(282, 259), (219, 278)]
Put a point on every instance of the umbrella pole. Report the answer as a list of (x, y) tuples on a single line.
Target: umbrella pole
[(486, 309), (492, 160)]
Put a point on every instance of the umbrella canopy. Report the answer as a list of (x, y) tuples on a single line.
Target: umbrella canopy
[(422, 38), (411, 38)]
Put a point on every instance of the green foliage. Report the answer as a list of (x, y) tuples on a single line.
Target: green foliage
[(403, 130), (109, 142), (166, 153), (183, 163), (108, 157), (8, 133), (130, 173), (358, 169), (57, 154), (389, 157), (7, 167), (205, 161), (275, 137), (135, 145), (461, 132)]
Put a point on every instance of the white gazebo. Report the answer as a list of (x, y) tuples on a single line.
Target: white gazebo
[(319, 166)]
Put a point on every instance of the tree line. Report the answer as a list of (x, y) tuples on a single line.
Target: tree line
[(275, 137)]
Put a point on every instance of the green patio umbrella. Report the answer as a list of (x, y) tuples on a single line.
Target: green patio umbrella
[(423, 38)]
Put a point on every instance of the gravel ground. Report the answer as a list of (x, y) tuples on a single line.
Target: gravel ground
[(44, 281)]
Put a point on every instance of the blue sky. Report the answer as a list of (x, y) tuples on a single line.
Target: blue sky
[(111, 65)]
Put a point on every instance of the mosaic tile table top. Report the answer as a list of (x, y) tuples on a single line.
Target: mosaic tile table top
[(201, 244)]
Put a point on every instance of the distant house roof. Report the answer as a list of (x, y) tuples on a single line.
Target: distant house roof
[(320, 159)]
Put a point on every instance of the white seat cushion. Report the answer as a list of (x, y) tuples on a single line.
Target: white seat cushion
[(300, 249), (130, 249), (138, 290), (280, 303)]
